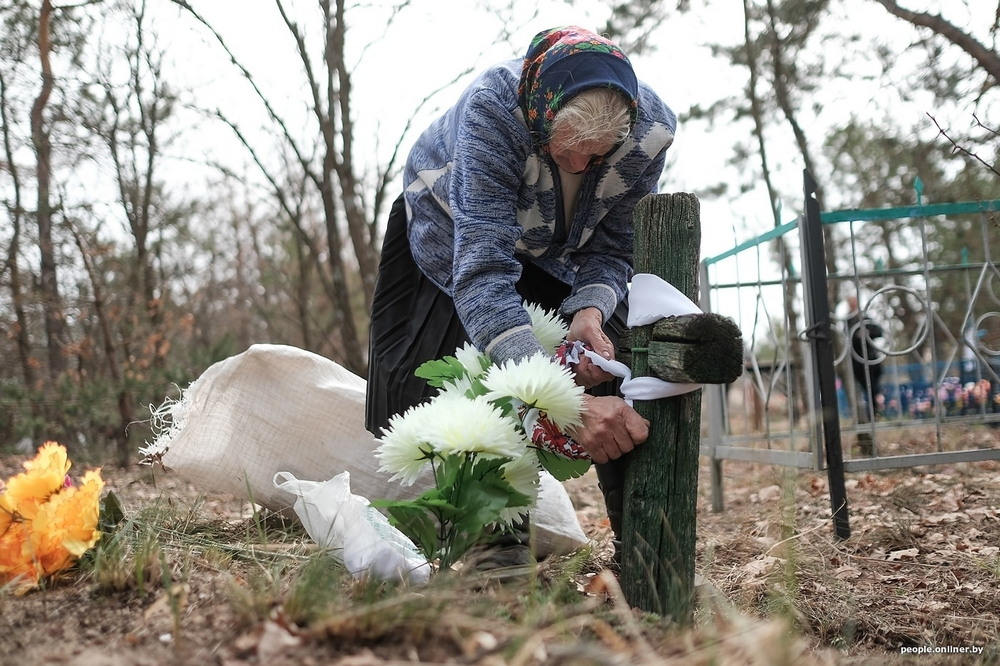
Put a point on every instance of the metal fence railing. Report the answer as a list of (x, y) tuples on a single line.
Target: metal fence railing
[(872, 342)]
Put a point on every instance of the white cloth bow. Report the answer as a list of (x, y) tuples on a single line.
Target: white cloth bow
[(650, 299)]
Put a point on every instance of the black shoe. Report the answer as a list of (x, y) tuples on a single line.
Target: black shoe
[(490, 557), (501, 548)]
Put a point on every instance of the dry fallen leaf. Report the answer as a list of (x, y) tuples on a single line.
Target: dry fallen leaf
[(274, 639), (762, 565), (818, 486), (846, 572), (905, 553), (768, 494)]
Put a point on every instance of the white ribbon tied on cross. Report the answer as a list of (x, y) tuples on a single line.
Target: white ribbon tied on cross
[(650, 299)]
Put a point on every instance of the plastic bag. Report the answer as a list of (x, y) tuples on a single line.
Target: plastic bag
[(350, 526)]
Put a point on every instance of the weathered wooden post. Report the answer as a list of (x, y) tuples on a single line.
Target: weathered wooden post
[(661, 483)]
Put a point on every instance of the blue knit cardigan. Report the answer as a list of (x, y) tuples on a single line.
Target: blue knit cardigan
[(479, 197)]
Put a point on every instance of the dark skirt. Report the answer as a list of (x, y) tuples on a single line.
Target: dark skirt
[(413, 322)]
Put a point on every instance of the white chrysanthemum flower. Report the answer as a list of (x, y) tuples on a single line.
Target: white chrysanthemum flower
[(404, 451), (472, 360), (548, 327), (538, 382), (460, 386), (523, 476), (455, 424)]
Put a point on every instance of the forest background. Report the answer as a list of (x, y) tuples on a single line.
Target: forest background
[(181, 180)]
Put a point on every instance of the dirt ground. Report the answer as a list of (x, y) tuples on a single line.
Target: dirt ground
[(920, 570)]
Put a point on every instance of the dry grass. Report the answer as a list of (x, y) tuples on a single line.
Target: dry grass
[(198, 578)]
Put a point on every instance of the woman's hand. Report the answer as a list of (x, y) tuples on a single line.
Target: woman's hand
[(587, 328), (610, 428)]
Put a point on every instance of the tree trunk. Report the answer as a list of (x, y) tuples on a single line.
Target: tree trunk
[(353, 352), (126, 411), (55, 325), (798, 406), (784, 101), (350, 188), (13, 260), (17, 299)]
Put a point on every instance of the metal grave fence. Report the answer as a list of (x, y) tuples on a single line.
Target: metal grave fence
[(872, 342)]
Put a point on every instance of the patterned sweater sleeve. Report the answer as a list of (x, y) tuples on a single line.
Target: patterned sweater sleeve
[(491, 150)]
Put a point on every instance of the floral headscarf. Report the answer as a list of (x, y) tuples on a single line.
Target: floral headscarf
[(562, 62)]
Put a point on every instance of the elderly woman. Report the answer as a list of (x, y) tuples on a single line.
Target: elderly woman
[(523, 191)]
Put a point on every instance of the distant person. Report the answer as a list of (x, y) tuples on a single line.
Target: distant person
[(970, 369), (865, 359), (523, 190)]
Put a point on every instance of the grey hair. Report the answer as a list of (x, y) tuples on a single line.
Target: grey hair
[(596, 114)]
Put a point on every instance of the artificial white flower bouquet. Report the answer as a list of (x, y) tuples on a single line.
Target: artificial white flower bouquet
[(476, 435)]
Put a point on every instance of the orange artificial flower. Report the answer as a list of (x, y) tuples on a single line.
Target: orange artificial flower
[(66, 526), (6, 511), (16, 561), (46, 523), (43, 476)]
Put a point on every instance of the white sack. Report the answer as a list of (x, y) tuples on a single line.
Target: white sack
[(277, 408)]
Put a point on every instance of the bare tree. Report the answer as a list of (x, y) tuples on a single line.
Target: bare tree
[(981, 73), (55, 325), (12, 264), (757, 113), (125, 399), (757, 109), (334, 175), (130, 119), (36, 40), (320, 175), (987, 58)]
